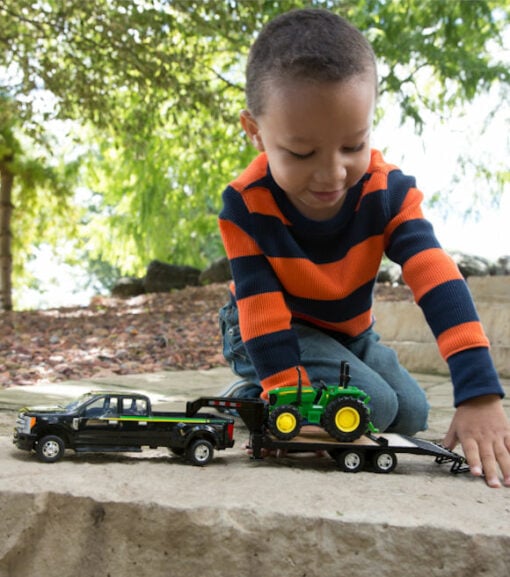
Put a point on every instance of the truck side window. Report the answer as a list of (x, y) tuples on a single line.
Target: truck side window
[(133, 406), (111, 409), (96, 409)]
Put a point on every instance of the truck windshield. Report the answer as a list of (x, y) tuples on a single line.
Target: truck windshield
[(73, 405)]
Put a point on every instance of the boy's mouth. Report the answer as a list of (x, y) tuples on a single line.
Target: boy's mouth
[(327, 196)]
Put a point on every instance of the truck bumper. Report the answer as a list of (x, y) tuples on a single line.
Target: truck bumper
[(23, 441)]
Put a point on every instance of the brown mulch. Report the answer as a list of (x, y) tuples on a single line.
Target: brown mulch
[(144, 334)]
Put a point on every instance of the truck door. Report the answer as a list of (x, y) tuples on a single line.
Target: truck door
[(135, 429), (97, 424)]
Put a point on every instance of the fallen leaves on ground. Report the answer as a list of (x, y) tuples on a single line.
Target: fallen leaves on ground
[(148, 333), (144, 334)]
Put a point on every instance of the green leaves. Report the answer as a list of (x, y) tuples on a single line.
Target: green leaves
[(155, 87)]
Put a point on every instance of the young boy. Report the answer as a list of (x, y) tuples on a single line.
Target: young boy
[(305, 227)]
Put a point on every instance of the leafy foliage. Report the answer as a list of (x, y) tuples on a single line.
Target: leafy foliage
[(154, 89)]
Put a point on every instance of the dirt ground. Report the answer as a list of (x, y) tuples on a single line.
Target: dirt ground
[(112, 336)]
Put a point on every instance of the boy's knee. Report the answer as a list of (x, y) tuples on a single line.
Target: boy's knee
[(412, 416), (383, 409)]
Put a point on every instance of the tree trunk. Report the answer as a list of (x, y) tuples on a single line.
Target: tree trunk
[(6, 206)]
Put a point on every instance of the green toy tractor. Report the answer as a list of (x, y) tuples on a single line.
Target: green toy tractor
[(341, 410)]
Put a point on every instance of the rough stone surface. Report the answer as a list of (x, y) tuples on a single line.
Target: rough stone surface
[(127, 287), (163, 277), (217, 271), (501, 266), (471, 265), (402, 326), (94, 515)]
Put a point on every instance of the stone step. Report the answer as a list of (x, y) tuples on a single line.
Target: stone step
[(402, 326)]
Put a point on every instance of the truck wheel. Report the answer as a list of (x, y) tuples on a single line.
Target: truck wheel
[(346, 419), (284, 422), (50, 449), (200, 452), (350, 461), (384, 461)]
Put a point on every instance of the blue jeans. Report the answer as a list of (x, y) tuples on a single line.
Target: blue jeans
[(398, 404)]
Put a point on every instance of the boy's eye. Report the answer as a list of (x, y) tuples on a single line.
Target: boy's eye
[(358, 148), (300, 155)]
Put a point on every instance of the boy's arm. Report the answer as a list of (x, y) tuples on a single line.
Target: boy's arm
[(264, 317), (480, 423)]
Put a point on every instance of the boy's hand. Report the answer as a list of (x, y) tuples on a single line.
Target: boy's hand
[(482, 428)]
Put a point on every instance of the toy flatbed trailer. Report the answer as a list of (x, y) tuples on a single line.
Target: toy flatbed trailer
[(375, 452)]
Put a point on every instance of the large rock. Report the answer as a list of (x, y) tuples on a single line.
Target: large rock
[(501, 266), (217, 271), (148, 513), (471, 265), (389, 272), (127, 287), (162, 277), (69, 535)]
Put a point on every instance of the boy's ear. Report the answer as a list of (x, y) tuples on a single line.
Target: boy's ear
[(251, 128)]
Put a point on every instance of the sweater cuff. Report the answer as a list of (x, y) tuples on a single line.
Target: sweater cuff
[(473, 375)]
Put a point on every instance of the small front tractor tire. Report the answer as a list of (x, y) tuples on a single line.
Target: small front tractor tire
[(284, 422)]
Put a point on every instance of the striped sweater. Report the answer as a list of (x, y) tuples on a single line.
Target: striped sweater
[(287, 267)]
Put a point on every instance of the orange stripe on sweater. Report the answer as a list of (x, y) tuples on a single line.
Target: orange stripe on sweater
[(429, 269), (377, 181), (262, 314), (237, 243), (378, 170), (462, 337), (259, 200), (330, 281), (286, 378), (256, 170)]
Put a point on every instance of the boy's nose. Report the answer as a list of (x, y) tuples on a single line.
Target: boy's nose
[(332, 173)]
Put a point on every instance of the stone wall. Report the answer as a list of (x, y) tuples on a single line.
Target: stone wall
[(403, 327)]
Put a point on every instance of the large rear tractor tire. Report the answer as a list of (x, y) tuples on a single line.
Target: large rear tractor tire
[(346, 419)]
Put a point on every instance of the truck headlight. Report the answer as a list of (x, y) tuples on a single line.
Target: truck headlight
[(24, 424)]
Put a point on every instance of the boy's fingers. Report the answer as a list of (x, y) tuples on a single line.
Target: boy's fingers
[(502, 454), (488, 459), (472, 457), (490, 469)]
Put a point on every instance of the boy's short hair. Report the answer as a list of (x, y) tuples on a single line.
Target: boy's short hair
[(309, 44)]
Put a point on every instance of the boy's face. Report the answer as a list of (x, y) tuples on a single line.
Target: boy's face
[(316, 137)]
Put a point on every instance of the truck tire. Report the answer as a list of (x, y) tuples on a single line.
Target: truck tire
[(284, 422), (384, 461), (50, 449), (350, 461), (200, 452), (346, 419)]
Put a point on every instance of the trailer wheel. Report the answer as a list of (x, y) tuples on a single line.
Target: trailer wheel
[(200, 452), (350, 461), (384, 461), (50, 449), (346, 419), (284, 422)]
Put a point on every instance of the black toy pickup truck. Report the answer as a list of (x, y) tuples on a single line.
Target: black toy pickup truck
[(115, 422)]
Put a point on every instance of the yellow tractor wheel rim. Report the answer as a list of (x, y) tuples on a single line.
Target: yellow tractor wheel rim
[(286, 422), (347, 419)]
